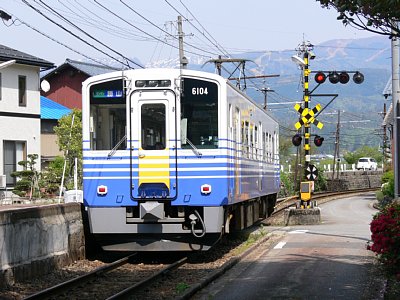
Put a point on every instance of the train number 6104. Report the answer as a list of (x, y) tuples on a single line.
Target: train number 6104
[(199, 91)]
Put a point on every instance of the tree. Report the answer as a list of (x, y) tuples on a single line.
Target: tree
[(51, 177), (380, 17), (28, 177), (365, 151), (70, 142)]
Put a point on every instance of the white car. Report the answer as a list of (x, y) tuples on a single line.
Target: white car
[(367, 163)]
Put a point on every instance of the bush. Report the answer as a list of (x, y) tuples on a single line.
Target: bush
[(287, 185), (388, 184), (385, 229)]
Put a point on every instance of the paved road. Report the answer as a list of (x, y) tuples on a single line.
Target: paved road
[(327, 261)]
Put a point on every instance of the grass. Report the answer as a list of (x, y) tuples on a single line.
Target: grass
[(181, 287)]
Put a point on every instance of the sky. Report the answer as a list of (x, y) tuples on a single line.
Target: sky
[(147, 30)]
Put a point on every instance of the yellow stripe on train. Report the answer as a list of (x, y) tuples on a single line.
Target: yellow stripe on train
[(147, 172)]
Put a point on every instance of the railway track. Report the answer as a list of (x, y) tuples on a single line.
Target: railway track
[(91, 280), (285, 203)]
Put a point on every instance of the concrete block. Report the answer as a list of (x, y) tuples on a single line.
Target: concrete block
[(295, 216), (36, 240)]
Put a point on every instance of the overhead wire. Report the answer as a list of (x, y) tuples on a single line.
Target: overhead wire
[(98, 22), (73, 34), (139, 29), (85, 33), (155, 25), (58, 42)]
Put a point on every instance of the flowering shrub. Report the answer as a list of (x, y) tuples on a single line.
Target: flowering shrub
[(385, 229)]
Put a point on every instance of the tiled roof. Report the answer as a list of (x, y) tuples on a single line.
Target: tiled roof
[(87, 68), (52, 110), (91, 69), (7, 53)]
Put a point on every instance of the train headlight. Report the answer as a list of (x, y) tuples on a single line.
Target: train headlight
[(205, 189), (102, 190)]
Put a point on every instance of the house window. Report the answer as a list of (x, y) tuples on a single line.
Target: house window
[(14, 152), (22, 90)]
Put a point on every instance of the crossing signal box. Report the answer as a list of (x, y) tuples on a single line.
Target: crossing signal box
[(296, 140), (305, 190), (318, 140)]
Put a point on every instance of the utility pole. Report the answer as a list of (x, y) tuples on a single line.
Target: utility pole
[(265, 91), (182, 59), (336, 155)]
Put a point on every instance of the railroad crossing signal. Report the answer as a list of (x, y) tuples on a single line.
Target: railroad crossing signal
[(335, 77), (308, 116), (311, 172), (296, 140), (318, 140)]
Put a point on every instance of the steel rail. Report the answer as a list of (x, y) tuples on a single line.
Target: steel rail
[(287, 202), (128, 291), (64, 286)]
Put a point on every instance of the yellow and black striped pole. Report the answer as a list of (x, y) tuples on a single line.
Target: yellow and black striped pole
[(307, 134)]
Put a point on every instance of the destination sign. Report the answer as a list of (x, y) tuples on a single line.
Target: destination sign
[(107, 94)]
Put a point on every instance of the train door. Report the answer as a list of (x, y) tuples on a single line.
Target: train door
[(153, 134)]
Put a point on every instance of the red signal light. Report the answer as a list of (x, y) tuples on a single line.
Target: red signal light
[(344, 78), (318, 140), (296, 140), (320, 77)]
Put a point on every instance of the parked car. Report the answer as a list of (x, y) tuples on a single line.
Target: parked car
[(367, 163)]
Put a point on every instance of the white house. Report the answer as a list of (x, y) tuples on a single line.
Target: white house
[(19, 110)]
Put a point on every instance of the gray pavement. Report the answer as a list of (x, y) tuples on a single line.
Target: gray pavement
[(326, 261)]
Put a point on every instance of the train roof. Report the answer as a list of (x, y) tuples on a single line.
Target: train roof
[(154, 72)]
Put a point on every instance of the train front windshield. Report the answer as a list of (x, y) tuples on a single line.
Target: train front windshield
[(107, 116), (199, 111)]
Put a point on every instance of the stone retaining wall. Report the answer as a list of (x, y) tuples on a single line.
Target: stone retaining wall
[(35, 240), (354, 180)]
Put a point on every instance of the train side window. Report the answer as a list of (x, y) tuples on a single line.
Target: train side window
[(245, 139), (199, 105), (256, 142), (264, 152), (107, 116)]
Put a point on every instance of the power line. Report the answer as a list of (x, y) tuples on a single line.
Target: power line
[(155, 25), (154, 37), (84, 32), (99, 22), (58, 42), (73, 34)]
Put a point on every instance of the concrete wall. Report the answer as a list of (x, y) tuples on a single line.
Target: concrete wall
[(35, 240), (354, 180)]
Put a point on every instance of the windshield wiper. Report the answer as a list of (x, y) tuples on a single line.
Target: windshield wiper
[(195, 150), (113, 150)]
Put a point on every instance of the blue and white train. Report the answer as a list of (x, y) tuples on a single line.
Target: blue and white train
[(173, 159)]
